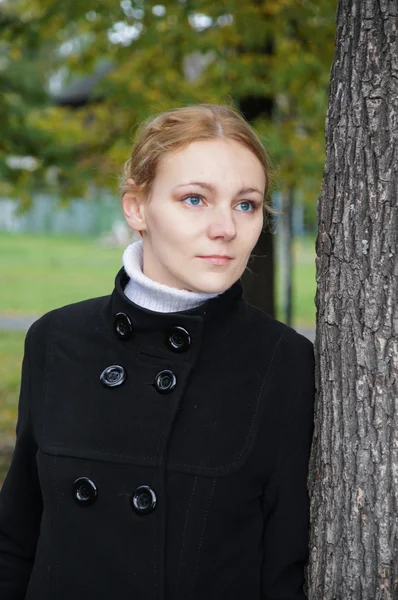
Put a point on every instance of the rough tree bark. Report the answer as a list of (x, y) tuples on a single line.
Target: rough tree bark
[(354, 462)]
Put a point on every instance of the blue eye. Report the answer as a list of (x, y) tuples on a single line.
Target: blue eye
[(195, 200), (246, 206)]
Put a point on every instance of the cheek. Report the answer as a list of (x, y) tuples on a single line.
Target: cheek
[(253, 235), (169, 232), (159, 225)]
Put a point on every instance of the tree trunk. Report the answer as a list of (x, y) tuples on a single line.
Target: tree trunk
[(287, 248), (258, 279), (354, 462)]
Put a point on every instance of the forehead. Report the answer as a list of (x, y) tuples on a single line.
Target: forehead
[(218, 160)]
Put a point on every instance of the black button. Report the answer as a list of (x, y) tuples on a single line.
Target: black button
[(179, 339), (85, 491), (123, 327), (165, 382), (143, 500), (113, 376)]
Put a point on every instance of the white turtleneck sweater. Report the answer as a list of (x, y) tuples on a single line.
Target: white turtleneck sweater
[(149, 294)]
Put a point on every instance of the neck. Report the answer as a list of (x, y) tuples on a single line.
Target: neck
[(151, 295)]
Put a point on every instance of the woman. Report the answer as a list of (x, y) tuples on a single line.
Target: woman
[(164, 430)]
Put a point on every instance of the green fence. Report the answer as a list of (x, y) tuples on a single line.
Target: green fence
[(93, 216)]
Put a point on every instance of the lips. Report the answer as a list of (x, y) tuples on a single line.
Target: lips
[(217, 259)]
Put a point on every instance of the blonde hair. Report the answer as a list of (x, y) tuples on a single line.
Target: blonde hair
[(178, 127)]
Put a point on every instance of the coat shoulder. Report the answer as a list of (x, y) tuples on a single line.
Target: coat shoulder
[(67, 315), (261, 321)]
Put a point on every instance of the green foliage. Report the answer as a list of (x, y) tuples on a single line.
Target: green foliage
[(275, 53)]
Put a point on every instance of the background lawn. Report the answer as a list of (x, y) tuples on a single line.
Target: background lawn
[(39, 273), (11, 352)]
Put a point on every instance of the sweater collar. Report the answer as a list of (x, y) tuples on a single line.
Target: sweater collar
[(151, 295)]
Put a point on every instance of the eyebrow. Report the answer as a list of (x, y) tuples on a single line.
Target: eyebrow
[(211, 188)]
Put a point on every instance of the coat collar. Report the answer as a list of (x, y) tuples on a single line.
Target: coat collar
[(214, 313)]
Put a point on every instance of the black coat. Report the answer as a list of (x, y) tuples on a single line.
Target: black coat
[(179, 473)]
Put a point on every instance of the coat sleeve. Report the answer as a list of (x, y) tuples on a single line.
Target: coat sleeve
[(285, 501), (20, 500)]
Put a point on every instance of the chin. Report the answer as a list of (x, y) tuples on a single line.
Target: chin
[(211, 287)]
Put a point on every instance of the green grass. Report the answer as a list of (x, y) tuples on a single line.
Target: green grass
[(304, 283), (11, 352), (39, 273)]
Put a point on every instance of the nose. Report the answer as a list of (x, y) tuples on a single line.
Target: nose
[(222, 225)]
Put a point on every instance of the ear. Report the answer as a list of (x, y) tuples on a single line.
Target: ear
[(134, 209)]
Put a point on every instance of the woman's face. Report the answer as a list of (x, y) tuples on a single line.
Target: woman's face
[(203, 216)]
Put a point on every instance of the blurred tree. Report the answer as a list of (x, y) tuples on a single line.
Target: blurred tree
[(271, 58)]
